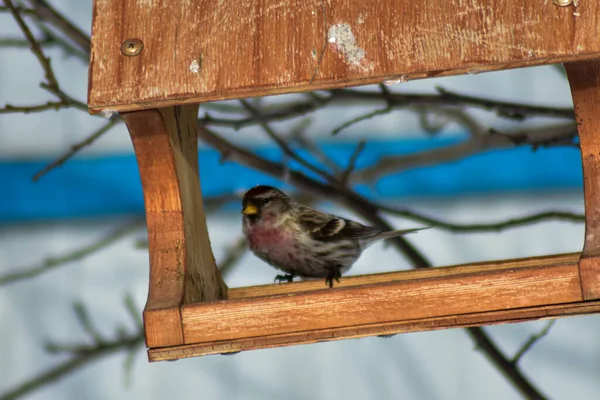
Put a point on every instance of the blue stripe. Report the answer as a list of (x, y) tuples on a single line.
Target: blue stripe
[(110, 185)]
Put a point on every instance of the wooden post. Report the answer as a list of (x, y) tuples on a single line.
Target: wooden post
[(584, 78), (182, 266)]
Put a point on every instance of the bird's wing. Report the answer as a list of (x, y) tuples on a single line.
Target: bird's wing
[(323, 226)]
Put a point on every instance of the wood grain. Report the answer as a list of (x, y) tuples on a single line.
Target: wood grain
[(182, 267), (499, 287), (423, 273), (418, 325), (203, 50), (584, 78)]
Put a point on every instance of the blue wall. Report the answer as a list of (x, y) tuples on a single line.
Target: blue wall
[(110, 185)]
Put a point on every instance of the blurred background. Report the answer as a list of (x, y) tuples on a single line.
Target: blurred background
[(74, 266)]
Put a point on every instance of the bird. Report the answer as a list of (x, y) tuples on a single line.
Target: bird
[(302, 241)]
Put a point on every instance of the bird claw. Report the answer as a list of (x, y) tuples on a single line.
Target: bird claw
[(333, 273), (284, 278)]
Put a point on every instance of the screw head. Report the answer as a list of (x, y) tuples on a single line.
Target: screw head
[(132, 47), (562, 3)]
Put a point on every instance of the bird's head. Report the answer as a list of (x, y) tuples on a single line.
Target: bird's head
[(263, 202)]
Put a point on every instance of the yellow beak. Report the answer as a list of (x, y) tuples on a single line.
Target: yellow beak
[(250, 209)]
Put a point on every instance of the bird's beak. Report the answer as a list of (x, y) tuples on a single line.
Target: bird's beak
[(250, 209)]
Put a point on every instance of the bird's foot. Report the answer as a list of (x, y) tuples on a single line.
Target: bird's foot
[(333, 273), (284, 278)]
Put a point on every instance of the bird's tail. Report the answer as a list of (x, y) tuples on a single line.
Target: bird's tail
[(391, 234)]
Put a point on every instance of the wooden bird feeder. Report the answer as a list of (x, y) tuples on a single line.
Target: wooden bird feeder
[(154, 61)]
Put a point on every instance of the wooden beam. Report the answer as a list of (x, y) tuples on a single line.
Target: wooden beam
[(196, 51), (354, 332), (383, 304), (182, 266), (498, 288), (584, 78)]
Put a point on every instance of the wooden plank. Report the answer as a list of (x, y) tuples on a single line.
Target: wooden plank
[(424, 273), (182, 267), (584, 78), (498, 288), (204, 50), (426, 324)]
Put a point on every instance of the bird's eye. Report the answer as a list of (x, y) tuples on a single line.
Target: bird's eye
[(265, 201)]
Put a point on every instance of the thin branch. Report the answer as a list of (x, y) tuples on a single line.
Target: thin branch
[(55, 262), (447, 98), (86, 323), (47, 13), (52, 38), (51, 105), (51, 83), (20, 10), (279, 113), (511, 371), (80, 355), (35, 47), (345, 175), (483, 227), (475, 144), (234, 253), (416, 102), (506, 109), (280, 142), (531, 341), (361, 118), (299, 136), (76, 147)]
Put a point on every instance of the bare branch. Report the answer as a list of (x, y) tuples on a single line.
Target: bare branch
[(483, 227), (513, 110), (86, 323), (55, 262), (531, 341), (475, 144), (47, 13), (511, 371), (345, 176), (20, 10), (76, 147), (51, 105), (280, 142), (415, 102), (35, 47), (51, 83), (235, 251), (361, 118), (80, 355)]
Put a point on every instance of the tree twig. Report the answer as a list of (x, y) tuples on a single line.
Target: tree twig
[(47, 13), (531, 341), (475, 144), (511, 371), (76, 147), (345, 175), (281, 143), (361, 118), (51, 83), (80, 355), (50, 105), (55, 262), (483, 227)]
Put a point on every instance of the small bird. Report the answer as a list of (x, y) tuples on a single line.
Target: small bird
[(302, 241)]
